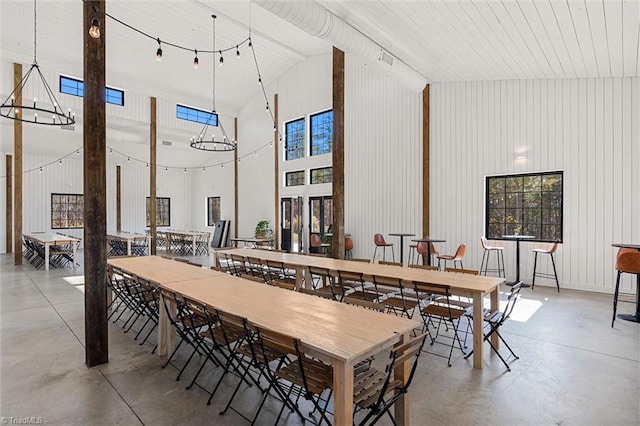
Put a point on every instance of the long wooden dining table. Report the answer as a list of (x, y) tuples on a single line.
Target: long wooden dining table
[(468, 285), (337, 333), (50, 239)]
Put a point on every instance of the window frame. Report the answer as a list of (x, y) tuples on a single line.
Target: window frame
[(295, 172), (300, 141), (311, 180), (79, 90), (211, 216), (79, 211), (521, 222), (196, 115), (312, 146), (159, 208)]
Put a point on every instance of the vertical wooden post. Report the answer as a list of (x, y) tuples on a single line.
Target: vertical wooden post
[(337, 242), (425, 162), (9, 202), (118, 199), (17, 172), (235, 178), (153, 128), (95, 188), (276, 174)]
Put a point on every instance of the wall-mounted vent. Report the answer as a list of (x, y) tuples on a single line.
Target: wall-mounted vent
[(386, 57), (167, 143)]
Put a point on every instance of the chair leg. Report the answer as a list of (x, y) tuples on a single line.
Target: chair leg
[(535, 262), (393, 255), (373, 260), (615, 299), (553, 262), (502, 268), (483, 267)]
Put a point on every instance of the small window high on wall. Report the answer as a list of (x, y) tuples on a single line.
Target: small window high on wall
[(163, 211), (213, 210), (75, 87), (295, 178), (67, 211), (525, 204), (196, 115)]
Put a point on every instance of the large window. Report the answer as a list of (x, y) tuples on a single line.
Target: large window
[(321, 214), (295, 178), (322, 133), (323, 175), (163, 211), (213, 210), (75, 87), (196, 115), (294, 136), (67, 211), (527, 204)]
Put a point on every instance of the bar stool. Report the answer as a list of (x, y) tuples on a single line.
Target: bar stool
[(420, 249), (379, 241), (628, 262), (484, 265), (316, 244), (348, 248), (550, 251), (457, 257)]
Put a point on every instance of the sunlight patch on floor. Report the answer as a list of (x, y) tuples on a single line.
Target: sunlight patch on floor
[(525, 309)]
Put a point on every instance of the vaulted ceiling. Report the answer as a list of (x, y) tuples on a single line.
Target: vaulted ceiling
[(432, 41)]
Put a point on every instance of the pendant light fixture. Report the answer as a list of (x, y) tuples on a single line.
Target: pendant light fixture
[(207, 139), (50, 107)]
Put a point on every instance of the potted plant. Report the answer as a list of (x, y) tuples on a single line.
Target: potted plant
[(263, 230)]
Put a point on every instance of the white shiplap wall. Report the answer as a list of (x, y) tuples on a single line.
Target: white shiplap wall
[(586, 127), (383, 158)]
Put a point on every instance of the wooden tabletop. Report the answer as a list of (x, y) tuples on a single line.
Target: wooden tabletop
[(330, 329), (51, 237), (159, 270), (463, 283), (127, 235)]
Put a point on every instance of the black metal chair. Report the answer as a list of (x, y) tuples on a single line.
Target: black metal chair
[(377, 391), (493, 320)]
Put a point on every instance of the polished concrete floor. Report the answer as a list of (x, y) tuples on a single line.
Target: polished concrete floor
[(574, 369)]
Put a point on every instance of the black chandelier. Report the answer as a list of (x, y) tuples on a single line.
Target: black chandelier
[(49, 108), (203, 141)]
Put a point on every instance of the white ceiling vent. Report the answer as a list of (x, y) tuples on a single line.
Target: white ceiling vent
[(386, 57), (167, 143)]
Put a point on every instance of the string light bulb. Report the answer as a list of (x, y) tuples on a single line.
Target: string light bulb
[(250, 44), (94, 30), (237, 52), (221, 61), (195, 60), (260, 80), (159, 51)]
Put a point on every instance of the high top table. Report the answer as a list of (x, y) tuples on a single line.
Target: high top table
[(337, 333), (428, 240), (402, 235), (517, 238), (48, 239), (474, 286), (634, 317)]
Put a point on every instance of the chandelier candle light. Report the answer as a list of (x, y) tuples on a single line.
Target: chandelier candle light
[(10, 109), (204, 141)]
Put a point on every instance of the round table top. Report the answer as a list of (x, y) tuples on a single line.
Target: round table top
[(429, 240), (401, 234), (632, 246), (518, 237)]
